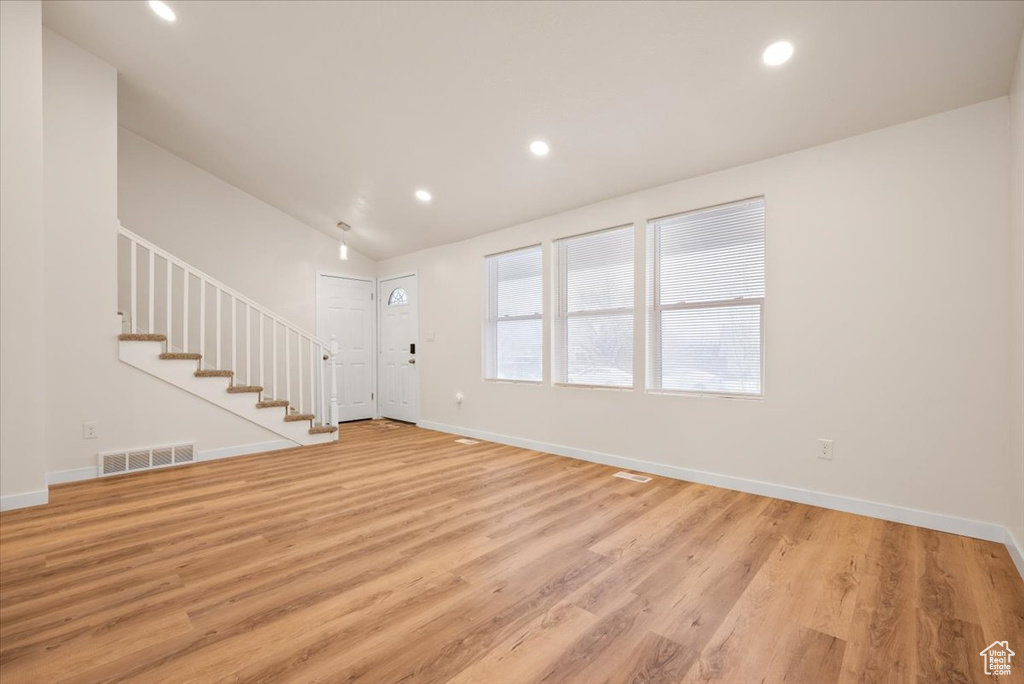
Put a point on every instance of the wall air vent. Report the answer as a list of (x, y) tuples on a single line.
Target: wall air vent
[(113, 463), (632, 477), (145, 458)]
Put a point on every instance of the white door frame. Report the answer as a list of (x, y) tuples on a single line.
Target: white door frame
[(381, 279), (373, 334)]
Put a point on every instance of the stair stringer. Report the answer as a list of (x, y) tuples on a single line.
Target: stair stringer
[(145, 356)]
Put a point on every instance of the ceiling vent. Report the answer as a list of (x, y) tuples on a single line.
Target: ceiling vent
[(146, 458)]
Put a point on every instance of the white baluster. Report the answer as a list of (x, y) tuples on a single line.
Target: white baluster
[(134, 252), (323, 401), (312, 379), (217, 294), (248, 344), (261, 351), (234, 337), (311, 386), (202, 322), (288, 366), (151, 294), (298, 350), (170, 299), (184, 310), (334, 380), (273, 354)]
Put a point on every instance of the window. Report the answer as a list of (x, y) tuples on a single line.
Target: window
[(706, 300), (594, 324), (513, 346), (398, 297)]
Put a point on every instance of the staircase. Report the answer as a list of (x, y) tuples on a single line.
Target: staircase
[(192, 331)]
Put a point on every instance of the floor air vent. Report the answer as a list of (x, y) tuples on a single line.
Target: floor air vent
[(631, 476), (147, 458), (464, 440)]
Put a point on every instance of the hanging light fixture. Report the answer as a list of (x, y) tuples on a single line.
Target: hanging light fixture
[(343, 247)]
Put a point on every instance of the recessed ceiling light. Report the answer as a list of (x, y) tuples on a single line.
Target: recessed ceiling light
[(778, 53), (540, 148), (162, 10), (423, 196)]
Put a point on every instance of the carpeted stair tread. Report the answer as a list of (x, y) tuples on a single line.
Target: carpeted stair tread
[(296, 417), (214, 373), (271, 403), (142, 337), (180, 356), (322, 429), (243, 389)]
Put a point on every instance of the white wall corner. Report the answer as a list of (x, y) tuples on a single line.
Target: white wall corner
[(1016, 549), (13, 502)]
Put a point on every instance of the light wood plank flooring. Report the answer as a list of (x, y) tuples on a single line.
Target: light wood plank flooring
[(397, 555)]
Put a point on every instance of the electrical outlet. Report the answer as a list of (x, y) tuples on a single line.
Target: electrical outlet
[(825, 449), (90, 431)]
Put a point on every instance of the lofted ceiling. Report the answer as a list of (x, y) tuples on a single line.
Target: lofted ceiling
[(339, 111)]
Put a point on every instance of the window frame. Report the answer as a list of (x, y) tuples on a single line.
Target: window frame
[(560, 339), (656, 309), (491, 318)]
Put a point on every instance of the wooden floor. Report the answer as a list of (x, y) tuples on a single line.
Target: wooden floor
[(397, 555)]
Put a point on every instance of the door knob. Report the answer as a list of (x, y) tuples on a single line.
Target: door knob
[(413, 361)]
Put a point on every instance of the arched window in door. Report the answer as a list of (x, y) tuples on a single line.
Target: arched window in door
[(398, 297)]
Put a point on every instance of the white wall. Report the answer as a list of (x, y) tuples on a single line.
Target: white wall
[(1016, 475), (885, 325), (22, 413), (247, 244), (84, 380)]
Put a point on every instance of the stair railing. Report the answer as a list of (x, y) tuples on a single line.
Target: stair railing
[(199, 314)]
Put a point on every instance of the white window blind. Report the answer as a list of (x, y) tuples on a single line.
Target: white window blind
[(594, 324), (706, 300), (515, 304)]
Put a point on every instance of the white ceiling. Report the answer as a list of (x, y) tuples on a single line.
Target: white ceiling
[(340, 110)]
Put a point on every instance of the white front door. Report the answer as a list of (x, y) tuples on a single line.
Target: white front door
[(398, 378), (345, 316)]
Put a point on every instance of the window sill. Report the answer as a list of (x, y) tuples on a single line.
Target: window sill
[(573, 385), (706, 395), (503, 381)]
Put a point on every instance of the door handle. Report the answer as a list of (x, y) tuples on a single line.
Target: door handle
[(413, 361)]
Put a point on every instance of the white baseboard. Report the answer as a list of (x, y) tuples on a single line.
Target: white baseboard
[(62, 476), (91, 472), (24, 500), (245, 449), (910, 516)]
